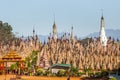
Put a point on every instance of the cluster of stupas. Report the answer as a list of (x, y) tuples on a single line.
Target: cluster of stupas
[(99, 53)]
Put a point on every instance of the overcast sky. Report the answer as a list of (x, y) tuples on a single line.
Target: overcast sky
[(83, 15)]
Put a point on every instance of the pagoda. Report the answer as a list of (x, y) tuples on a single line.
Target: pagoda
[(10, 58)]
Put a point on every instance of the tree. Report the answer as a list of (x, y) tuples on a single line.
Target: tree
[(33, 57), (30, 61), (6, 33), (14, 67)]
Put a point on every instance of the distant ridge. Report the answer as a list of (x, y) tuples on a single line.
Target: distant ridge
[(109, 33), (44, 38)]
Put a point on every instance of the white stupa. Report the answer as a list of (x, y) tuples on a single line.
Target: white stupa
[(103, 38)]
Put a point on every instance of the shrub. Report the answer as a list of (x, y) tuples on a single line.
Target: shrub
[(113, 78), (61, 72), (97, 74), (104, 73), (74, 71), (47, 73), (39, 72), (80, 74)]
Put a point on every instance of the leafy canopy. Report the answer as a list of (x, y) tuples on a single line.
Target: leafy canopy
[(6, 33)]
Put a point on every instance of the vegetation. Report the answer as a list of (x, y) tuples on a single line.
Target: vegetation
[(47, 73), (30, 61), (39, 72), (113, 78), (13, 67), (74, 71), (6, 33), (88, 71), (61, 73)]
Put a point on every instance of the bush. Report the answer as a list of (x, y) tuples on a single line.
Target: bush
[(98, 74), (61, 72), (104, 73), (39, 72), (47, 73), (80, 74), (74, 71), (113, 78)]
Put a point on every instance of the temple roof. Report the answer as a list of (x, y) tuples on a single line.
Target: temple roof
[(12, 56), (61, 66)]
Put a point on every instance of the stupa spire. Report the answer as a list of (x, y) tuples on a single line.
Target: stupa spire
[(103, 38), (54, 30)]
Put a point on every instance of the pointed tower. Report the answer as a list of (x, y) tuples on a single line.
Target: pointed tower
[(33, 33), (72, 34), (54, 31), (103, 38)]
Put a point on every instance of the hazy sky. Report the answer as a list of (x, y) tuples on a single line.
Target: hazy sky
[(84, 15)]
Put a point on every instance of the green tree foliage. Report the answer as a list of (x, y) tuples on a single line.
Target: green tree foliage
[(33, 57), (30, 61), (5, 32), (13, 67)]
